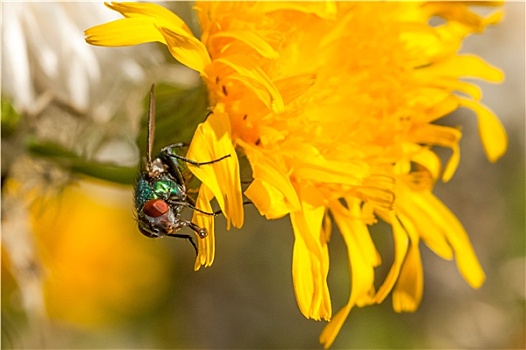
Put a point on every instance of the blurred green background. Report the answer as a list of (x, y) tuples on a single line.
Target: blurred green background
[(76, 273)]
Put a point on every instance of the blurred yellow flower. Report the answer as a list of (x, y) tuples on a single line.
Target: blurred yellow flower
[(334, 105), (90, 260)]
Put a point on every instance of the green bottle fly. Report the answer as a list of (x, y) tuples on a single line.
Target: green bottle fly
[(161, 189)]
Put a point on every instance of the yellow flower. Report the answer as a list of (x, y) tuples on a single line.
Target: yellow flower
[(89, 261), (334, 106)]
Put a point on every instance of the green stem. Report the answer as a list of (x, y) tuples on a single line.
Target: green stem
[(70, 160)]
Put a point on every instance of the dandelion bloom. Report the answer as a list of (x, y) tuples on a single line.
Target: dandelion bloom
[(334, 105)]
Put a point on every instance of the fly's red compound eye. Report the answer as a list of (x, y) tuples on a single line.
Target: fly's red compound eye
[(155, 208)]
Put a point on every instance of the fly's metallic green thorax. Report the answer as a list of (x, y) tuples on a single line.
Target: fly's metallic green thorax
[(161, 189)]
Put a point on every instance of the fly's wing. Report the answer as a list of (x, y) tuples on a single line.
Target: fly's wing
[(151, 129)]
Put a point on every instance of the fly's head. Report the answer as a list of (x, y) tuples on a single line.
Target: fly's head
[(157, 218)]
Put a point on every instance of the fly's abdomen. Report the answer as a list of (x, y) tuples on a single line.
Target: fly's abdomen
[(143, 193)]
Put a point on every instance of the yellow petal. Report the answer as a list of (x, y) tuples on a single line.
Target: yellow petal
[(293, 87), (146, 22), (459, 12), (376, 190), (331, 330), (444, 136), (186, 49), (457, 237), (452, 164), (362, 253), (212, 140), (401, 243), (453, 84), (252, 39), (361, 257), (268, 199), (415, 216), (148, 12), (429, 160), (310, 264), (407, 293), (491, 131), (124, 32), (255, 79), (468, 66), (470, 89), (494, 17), (152, 11), (325, 9), (312, 165), (444, 107), (267, 169), (206, 246)]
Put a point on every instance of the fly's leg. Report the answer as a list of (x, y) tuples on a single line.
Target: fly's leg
[(168, 157), (196, 163), (217, 212), (168, 150), (191, 204), (201, 232), (177, 145), (188, 237), (193, 207), (173, 161)]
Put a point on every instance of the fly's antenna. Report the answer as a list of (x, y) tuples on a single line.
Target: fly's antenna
[(151, 129)]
